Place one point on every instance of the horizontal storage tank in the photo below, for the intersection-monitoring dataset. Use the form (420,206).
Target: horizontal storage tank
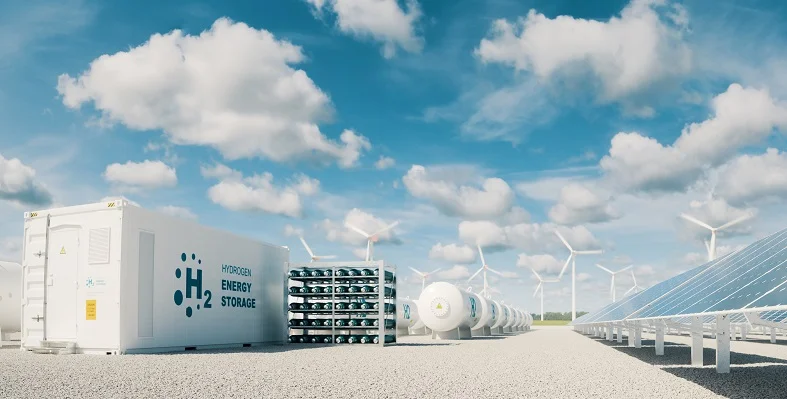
(501,315)
(487,311)
(10,298)
(148,282)
(511,316)
(407,313)
(518,319)
(446,307)
(419,324)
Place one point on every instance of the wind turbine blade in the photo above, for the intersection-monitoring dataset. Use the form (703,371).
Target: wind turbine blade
(476,273)
(560,236)
(624,269)
(359,231)
(566,265)
(537,287)
(435,270)
(612,285)
(707,247)
(736,221)
(554,280)
(390,226)
(695,221)
(309,250)
(537,275)
(593,252)
(630,289)
(326,257)
(633,277)
(604,269)
(480,252)
(495,271)
(417,272)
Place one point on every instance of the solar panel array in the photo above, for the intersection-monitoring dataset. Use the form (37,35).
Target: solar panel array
(754,278)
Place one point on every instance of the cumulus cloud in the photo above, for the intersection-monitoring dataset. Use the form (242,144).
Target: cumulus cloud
(458,272)
(700,258)
(625,54)
(543,264)
(337,232)
(529,237)
(384,162)
(751,178)
(716,212)
(383,21)
(742,117)
(258,193)
(232,88)
(141,175)
(18,184)
(177,211)
(290,230)
(452,253)
(579,204)
(493,199)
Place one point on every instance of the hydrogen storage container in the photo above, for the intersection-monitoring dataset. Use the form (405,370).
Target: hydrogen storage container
(10,299)
(114,278)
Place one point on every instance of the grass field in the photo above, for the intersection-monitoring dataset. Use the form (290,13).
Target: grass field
(551,322)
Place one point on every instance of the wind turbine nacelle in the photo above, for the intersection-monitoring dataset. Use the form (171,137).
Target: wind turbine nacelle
(511,317)
(445,307)
(407,314)
(501,316)
(489,314)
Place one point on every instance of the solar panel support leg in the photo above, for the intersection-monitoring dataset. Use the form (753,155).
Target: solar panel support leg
(722,344)
(773,335)
(637,334)
(630,337)
(620,334)
(696,341)
(744,332)
(659,339)
(609,332)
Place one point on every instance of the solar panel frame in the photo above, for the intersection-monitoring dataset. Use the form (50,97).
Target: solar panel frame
(729,273)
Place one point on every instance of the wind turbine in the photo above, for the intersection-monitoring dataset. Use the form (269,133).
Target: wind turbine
(636,287)
(370,238)
(424,276)
(573,259)
(612,285)
(315,257)
(541,286)
(484,268)
(711,247)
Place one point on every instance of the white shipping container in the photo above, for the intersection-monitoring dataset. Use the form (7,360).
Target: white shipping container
(115,278)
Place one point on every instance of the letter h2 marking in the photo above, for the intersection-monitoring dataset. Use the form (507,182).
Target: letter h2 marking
(193,283)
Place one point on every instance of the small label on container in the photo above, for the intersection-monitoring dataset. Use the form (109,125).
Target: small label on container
(90,309)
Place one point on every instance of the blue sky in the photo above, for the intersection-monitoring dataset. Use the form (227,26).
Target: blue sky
(472,123)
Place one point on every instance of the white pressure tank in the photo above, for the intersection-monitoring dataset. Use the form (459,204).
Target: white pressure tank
(487,312)
(419,324)
(501,316)
(446,307)
(406,313)
(511,318)
(518,319)
(10,297)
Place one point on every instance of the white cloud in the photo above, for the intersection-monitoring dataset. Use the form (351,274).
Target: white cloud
(529,237)
(220,171)
(290,230)
(384,162)
(178,212)
(337,232)
(258,193)
(452,253)
(383,21)
(231,88)
(699,258)
(626,54)
(359,253)
(751,178)
(544,265)
(579,204)
(493,199)
(742,117)
(141,175)
(18,184)
(457,272)
(716,212)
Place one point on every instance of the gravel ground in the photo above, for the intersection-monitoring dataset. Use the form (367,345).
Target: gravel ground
(548,362)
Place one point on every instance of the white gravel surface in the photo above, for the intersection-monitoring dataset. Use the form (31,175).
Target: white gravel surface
(548,362)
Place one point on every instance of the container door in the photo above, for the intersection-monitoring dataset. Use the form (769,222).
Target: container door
(62,284)
(33,261)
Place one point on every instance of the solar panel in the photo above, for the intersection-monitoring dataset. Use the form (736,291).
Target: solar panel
(618,311)
(751,276)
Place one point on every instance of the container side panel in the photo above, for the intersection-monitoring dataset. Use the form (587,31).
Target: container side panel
(62,283)
(209,287)
(145,287)
(33,282)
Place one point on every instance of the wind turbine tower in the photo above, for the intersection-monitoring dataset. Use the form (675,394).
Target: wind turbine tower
(370,238)
(541,286)
(612,285)
(573,259)
(711,247)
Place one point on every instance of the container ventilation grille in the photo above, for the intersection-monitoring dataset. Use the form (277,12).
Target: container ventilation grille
(99,246)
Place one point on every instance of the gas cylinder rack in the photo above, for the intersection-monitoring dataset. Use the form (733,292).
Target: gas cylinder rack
(342,302)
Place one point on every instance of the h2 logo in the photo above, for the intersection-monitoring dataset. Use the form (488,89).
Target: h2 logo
(472,307)
(193,284)
(406,309)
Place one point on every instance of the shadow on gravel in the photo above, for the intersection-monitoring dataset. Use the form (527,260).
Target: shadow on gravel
(751,376)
